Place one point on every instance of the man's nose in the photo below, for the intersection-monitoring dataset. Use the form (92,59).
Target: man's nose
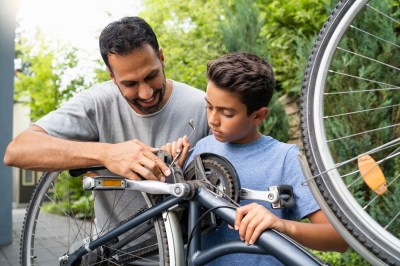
(145,91)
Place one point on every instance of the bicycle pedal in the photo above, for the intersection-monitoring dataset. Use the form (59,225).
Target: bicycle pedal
(103,183)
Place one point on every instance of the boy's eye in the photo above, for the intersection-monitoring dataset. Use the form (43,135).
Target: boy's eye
(226,114)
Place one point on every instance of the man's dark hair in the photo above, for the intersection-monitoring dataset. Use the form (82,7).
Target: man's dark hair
(125,35)
(245,74)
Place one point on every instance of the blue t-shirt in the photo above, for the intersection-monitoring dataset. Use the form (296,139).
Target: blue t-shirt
(260,164)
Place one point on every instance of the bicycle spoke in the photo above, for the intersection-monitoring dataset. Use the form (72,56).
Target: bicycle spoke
(368,58)
(362,79)
(361,111)
(374,36)
(363,132)
(383,14)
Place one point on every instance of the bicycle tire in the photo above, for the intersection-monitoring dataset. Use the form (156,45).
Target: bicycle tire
(334,175)
(45,239)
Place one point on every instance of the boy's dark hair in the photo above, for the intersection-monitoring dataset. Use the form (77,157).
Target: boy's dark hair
(125,35)
(245,74)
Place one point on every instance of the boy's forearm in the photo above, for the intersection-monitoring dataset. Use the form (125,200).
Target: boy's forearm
(322,237)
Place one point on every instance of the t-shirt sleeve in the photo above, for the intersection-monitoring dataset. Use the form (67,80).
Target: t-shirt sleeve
(293,175)
(74,120)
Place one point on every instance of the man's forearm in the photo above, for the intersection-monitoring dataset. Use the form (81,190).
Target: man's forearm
(34,149)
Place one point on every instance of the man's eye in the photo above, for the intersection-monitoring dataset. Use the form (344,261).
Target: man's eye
(151,77)
(129,85)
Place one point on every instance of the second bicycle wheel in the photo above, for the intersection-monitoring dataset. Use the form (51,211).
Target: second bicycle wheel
(61,218)
(350,107)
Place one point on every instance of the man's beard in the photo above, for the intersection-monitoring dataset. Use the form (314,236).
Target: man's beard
(152,109)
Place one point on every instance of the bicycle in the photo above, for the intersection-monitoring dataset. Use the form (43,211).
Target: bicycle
(350,109)
(153,236)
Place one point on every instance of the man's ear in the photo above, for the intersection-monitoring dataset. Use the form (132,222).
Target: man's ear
(260,115)
(111,74)
(161,56)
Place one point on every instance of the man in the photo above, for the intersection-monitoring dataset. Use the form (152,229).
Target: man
(116,123)
(120,123)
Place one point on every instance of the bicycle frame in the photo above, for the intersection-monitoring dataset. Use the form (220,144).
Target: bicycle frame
(270,242)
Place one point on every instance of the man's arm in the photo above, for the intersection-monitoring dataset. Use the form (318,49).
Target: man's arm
(36,150)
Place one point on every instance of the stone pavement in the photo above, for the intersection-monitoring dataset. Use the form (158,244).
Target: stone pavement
(9,254)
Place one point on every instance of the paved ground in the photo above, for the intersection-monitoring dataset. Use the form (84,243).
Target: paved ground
(9,254)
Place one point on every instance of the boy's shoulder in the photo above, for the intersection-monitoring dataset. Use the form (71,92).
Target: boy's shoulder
(268,140)
(207,140)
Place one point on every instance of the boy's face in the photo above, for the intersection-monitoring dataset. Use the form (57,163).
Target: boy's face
(227,117)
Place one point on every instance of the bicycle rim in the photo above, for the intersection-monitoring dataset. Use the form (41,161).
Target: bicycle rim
(60,217)
(350,107)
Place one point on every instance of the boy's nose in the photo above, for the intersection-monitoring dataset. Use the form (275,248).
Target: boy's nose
(213,118)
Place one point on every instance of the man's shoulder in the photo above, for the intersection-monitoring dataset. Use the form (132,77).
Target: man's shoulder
(107,87)
(185,88)
(101,92)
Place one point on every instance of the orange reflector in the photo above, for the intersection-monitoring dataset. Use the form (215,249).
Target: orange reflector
(111,183)
(372,174)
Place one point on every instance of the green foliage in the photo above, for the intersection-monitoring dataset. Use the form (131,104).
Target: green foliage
(188,35)
(41,82)
(289,32)
(350,257)
(241,26)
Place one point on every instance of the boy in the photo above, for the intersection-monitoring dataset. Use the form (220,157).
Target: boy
(239,88)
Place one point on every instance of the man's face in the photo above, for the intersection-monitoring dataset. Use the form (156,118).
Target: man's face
(140,78)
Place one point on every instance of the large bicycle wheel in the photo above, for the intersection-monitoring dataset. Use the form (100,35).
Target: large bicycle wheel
(61,217)
(349,108)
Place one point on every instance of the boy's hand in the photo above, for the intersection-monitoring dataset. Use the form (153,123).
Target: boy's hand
(181,147)
(252,219)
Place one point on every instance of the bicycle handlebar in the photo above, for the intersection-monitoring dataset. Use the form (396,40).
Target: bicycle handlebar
(274,243)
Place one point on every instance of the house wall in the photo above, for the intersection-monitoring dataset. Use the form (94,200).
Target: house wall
(21,190)
(7,54)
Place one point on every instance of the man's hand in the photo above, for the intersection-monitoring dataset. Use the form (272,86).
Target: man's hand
(180,146)
(133,159)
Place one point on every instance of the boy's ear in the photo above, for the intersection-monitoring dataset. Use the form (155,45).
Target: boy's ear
(260,115)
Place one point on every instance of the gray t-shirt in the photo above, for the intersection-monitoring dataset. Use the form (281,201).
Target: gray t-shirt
(102,114)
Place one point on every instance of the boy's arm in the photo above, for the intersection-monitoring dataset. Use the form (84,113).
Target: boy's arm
(253,219)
